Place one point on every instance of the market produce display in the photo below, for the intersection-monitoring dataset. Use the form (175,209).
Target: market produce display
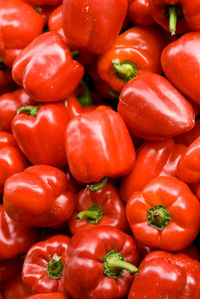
(99,149)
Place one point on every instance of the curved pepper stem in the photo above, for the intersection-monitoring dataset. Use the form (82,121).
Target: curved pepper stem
(172,20)
(55,267)
(98,186)
(33,110)
(114,265)
(85,99)
(158,217)
(93,214)
(124,70)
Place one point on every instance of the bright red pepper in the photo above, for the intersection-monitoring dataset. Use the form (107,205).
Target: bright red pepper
(49,296)
(15,288)
(164,215)
(153,109)
(84,23)
(100,262)
(140,13)
(39,196)
(40,133)
(153,158)
(134,52)
(46,69)
(165,275)
(95,145)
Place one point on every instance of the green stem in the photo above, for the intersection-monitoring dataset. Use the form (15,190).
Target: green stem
(172,20)
(75,53)
(98,186)
(33,110)
(55,267)
(93,214)
(124,70)
(158,217)
(38,9)
(85,99)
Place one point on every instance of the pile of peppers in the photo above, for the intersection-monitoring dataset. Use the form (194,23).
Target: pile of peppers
(99,149)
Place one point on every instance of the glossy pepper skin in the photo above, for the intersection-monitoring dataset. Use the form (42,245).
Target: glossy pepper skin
(84,20)
(39,196)
(19,25)
(153,158)
(49,296)
(174,276)
(140,13)
(153,109)
(44,265)
(104,207)
(46,69)
(11,158)
(85,273)
(95,145)
(15,288)
(134,52)
(180,63)
(164,215)
(40,133)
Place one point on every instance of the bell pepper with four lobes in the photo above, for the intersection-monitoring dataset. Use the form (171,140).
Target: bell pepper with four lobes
(19,25)
(164,215)
(100,264)
(44,265)
(166,275)
(98,144)
(48,296)
(181,64)
(140,13)
(39,196)
(46,69)
(104,207)
(93,25)
(40,133)
(11,158)
(153,158)
(133,53)
(153,109)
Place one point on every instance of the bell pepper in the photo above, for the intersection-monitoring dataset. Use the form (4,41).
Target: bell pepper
(15,288)
(164,215)
(49,296)
(157,158)
(140,13)
(19,25)
(95,145)
(39,196)
(103,207)
(11,158)
(166,275)
(46,69)
(84,23)
(9,104)
(134,52)
(100,263)
(188,137)
(181,65)
(44,265)
(40,133)
(146,104)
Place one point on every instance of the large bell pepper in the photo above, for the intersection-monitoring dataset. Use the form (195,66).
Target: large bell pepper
(164,215)
(39,196)
(46,69)
(153,109)
(100,264)
(140,13)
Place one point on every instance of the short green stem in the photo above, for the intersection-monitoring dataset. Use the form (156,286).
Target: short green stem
(38,9)
(158,217)
(93,214)
(98,186)
(32,110)
(85,99)
(55,267)
(172,20)
(124,70)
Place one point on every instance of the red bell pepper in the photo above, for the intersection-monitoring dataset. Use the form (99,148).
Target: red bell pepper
(84,23)
(164,215)
(188,137)
(49,296)
(19,25)
(181,65)
(95,145)
(153,109)
(15,288)
(46,69)
(44,265)
(39,196)
(134,52)
(100,264)
(153,158)
(140,13)
(40,133)
(165,275)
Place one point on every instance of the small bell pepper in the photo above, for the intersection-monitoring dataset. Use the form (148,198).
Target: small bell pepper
(157,158)
(134,52)
(140,13)
(15,288)
(100,264)
(49,296)
(146,104)
(39,196)
(164,215)
(95,145)
(44,265)
(84,23)
(46,69)
(40,133)
(104,207)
